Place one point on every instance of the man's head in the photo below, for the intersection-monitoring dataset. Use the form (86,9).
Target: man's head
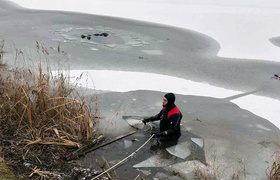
(168,100)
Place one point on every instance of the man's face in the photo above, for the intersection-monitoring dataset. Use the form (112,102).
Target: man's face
(164,101)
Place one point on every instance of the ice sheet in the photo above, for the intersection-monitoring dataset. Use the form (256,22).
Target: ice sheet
(154,161)
(181,150)
(198,141)
(135,123)
(222,20)
(127,143)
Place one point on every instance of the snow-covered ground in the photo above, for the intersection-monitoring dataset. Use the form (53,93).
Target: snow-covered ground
(243,29)
(123,81)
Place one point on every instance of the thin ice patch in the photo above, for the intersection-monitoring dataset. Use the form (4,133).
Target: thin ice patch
(82,28)
(145,43)
(88,42)
(110,45)
(181,150)
(198,141)
(145,172)
(134,43)
(65,30)
(154,161)
(127,144)
(67,37)
(94,49)
(135,123)
(153,52)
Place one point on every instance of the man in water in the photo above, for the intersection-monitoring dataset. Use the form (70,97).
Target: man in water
(170,119)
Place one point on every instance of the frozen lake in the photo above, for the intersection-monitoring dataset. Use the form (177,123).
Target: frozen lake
(243,29)
(138,62)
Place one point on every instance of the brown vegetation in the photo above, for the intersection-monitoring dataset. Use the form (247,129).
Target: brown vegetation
(274,173)
(41,120)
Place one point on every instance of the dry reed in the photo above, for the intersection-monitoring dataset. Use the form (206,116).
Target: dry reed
(274,173)
(40,115)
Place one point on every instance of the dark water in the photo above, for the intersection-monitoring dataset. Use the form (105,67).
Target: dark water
(116,151)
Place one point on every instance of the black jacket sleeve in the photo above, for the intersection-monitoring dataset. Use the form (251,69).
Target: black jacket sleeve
(154,118)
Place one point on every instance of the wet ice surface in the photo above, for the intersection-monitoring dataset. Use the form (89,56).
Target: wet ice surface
(127,144)
(193,146)
(72,36)
(151,159)
(136,122)
(201,115)
(155,161)
(205,18)
(198,141)
(117,38)
(181,150)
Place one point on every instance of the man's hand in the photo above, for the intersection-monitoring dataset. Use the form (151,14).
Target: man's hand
(161,134)
(158,134)
(155,131)
(145,121)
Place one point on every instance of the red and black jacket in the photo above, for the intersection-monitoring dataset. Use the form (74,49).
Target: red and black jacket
(170,119)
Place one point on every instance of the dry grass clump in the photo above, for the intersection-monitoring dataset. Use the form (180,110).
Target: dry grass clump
(199,174)
(41,119)
(5,172)
(44,111)
(274,173)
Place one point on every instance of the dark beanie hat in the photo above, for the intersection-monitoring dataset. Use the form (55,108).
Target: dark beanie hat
(171,98)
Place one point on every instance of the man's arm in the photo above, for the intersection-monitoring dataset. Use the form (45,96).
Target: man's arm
(152,118)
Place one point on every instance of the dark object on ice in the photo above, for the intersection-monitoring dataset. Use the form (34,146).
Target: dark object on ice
(101,34)
(105,34)
(134,139)
(276,76)
(89,37)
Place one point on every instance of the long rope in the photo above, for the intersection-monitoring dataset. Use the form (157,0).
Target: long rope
(132,154)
